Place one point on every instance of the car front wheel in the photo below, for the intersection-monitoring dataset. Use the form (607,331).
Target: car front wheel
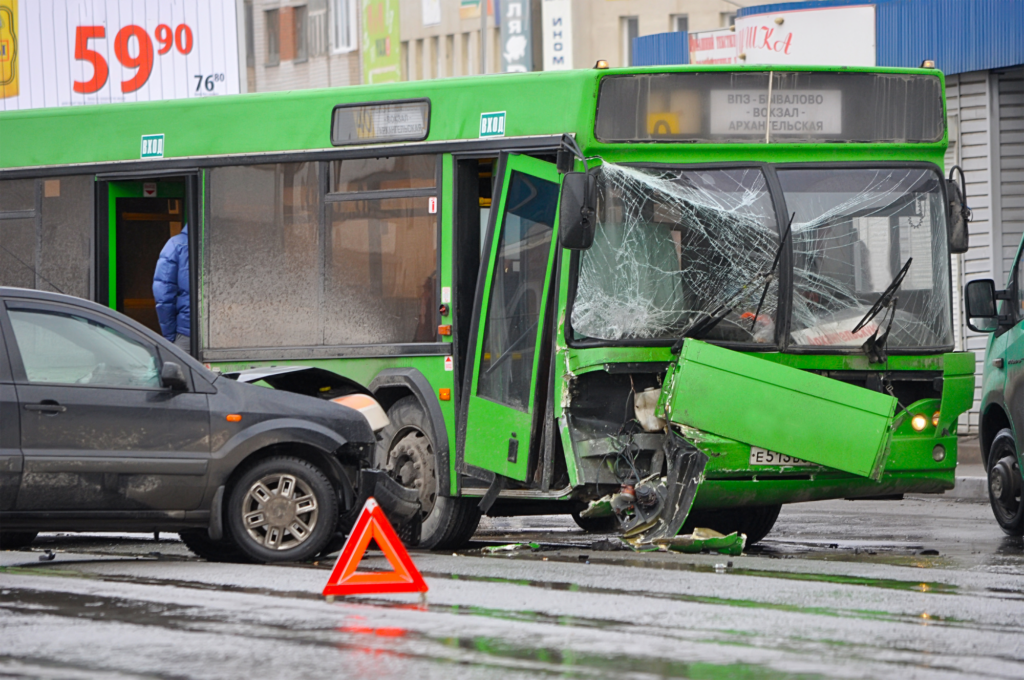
(1004,483)
(282,509)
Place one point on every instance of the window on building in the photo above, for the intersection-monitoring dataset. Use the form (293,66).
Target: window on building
(435,57)
(449,55)
(404,60)
(250,39)
(300,27)
(630,27)
(464,56)
(419,59)
(273,24)
(727,19)
(343,23)
(680,23)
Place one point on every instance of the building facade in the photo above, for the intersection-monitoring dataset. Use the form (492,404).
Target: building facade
(294,44)
(297,44)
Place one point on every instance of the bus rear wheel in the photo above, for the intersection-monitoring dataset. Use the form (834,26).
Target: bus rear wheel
(405,451)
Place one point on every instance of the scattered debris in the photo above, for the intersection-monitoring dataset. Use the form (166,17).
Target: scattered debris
(48,557)
(510,547)
(699,541)
(609,545)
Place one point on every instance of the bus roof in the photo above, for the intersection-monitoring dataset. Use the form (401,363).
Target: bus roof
(534,104)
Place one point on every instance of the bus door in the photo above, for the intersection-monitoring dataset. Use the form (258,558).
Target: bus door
(142,216)
(506,354)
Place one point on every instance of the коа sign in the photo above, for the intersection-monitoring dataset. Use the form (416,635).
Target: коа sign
(835,36)
(67,52)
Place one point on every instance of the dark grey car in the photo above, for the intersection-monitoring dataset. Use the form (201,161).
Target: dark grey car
(106,426)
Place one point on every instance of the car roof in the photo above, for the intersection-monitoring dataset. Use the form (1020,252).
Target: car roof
(32,294)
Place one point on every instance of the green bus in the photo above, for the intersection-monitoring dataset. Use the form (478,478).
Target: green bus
(720,286)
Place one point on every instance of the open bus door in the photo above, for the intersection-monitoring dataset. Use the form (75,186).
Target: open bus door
(510,316)
(141,215)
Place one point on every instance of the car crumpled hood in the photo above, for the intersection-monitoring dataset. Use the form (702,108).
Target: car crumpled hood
(258,404)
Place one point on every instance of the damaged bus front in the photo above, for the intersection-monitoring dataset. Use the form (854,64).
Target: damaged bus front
(772,326)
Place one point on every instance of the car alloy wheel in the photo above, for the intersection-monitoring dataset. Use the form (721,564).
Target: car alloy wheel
(280,511)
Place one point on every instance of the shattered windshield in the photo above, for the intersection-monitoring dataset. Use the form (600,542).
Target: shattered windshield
(671,246)
(854,230)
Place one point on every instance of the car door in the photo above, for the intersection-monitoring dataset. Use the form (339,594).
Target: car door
(10,438)
(511,318)
(1013,392)
(98,431)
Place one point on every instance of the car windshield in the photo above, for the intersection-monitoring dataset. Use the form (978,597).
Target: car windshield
(854,230)
(670,247)
(673,246)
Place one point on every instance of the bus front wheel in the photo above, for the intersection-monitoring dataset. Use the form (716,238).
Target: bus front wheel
(405,451)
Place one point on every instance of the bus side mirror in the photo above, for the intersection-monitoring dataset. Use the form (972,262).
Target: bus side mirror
(957,213)
(577,214)
(980,306)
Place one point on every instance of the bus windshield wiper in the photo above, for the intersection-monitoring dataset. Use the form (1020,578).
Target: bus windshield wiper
(705,323)
(874,346)
(771,272)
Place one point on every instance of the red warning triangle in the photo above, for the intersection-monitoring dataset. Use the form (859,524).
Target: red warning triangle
(345,580)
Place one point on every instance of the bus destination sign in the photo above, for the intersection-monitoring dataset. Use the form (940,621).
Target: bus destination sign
(795,112)
(405,121)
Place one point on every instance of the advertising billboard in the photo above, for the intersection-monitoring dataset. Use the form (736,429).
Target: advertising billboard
(381,42)
(516,32)
(72,52)
(713,47)
(826,36)
(556,19)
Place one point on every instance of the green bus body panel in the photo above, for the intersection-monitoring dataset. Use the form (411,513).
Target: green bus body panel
(540,103)
(489,424)
(734,395)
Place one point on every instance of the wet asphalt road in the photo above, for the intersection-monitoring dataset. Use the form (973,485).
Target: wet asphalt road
(921,588)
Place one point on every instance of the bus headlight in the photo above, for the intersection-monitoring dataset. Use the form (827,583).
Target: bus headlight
(919,422)
(935,419)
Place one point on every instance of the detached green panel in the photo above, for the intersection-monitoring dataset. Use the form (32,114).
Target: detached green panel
(781,409)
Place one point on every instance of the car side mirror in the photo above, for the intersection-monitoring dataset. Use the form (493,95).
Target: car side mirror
(173,376)
(576,213)
(980,306)
(958,215)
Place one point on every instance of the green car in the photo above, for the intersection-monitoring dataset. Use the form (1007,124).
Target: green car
(1001,313)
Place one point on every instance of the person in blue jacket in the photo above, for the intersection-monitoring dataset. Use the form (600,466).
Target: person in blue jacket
(171,290)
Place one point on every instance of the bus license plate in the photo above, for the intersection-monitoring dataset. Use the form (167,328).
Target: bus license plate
(765,457)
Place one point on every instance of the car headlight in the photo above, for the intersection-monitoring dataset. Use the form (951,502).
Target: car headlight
(368,406)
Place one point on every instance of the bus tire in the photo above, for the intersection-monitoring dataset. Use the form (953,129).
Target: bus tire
(756,523)
(405,450)
(1005,484)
